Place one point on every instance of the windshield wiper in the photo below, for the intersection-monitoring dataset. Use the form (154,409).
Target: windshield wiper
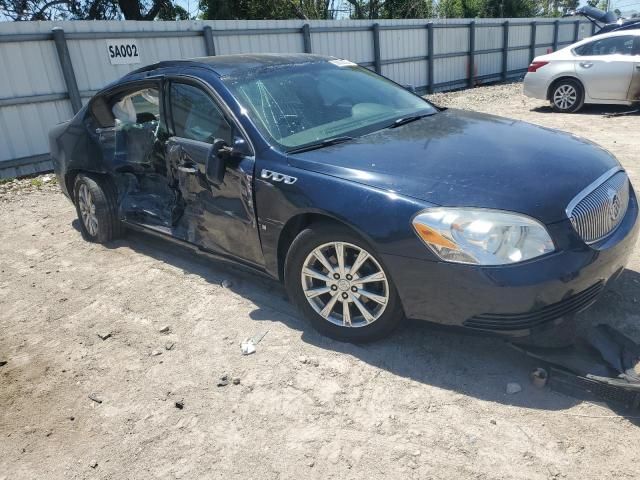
(409,119)
(322,144)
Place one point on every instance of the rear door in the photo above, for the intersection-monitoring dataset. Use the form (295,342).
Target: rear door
(128,127)
(605,66)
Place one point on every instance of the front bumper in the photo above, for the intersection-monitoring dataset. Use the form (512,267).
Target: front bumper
(516,299)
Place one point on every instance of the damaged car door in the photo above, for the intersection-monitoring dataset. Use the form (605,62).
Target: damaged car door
(131,133)
(211,165)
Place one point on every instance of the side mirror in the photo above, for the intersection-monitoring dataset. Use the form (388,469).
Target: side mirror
(411,88)
(240,147)
(216,161)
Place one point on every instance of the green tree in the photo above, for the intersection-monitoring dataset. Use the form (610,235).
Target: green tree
(267,9)
(407,9)
(19,10)
(488,8)
(373,9)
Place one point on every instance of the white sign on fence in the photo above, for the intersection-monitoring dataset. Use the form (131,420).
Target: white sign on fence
(123,51)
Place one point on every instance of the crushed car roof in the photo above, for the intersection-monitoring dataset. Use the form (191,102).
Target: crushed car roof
(231,65)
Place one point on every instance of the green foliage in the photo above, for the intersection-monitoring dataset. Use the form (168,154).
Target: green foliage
(601,4)
(283,9)
(267,9)
(20,10)
(489,8)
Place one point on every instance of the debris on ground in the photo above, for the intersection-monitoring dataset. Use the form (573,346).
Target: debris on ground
(19,186)
(620,114)
(95,397)
(165,329)
(3,363)
(235,380)
(104,335)
(93,464)
(248,345)
(179,404)
(539,377)
(604,364)
(513,388)
(223,381)
(169,345)
(309,361)
(155,353)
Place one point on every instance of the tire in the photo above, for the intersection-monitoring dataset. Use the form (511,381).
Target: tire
(344,323)
(567,96)
(96,205)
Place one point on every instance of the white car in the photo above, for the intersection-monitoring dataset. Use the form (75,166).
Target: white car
(601,69)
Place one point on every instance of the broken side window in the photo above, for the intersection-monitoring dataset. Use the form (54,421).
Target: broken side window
(195,115)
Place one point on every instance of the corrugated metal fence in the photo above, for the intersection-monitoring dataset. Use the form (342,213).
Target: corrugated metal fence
(48,69)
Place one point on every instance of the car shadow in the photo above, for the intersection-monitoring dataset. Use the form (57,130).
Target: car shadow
(469,364)
(600,110)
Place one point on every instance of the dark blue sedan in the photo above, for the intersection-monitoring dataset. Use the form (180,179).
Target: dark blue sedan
(367,201)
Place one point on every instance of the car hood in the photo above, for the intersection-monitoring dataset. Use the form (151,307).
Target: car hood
(461,158)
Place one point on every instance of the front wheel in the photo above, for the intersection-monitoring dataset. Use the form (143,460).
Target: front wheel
(567,96)
(340,285)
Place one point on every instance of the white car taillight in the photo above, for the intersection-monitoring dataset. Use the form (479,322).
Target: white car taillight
(535,66)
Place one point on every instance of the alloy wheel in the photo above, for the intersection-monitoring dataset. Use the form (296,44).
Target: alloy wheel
(87,210)
(345,284)
(565,97)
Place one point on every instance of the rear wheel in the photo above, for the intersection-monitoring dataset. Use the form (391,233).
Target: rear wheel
(96,206)
(337,281)
(567,96)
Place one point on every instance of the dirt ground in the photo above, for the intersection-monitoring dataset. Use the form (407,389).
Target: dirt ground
(423,404)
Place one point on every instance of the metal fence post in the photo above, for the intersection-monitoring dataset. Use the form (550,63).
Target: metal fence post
(430,57)
(532,48)
(505,49)
(306,38)
(209,46)
(472,53)
(576,31)
(67,68)
(556,31)
(376,48)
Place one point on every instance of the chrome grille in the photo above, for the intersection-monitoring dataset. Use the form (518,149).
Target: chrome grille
(598,210)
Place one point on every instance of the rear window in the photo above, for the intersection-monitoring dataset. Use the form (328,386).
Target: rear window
(621,45)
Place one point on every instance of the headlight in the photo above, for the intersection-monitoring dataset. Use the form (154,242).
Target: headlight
(480,236)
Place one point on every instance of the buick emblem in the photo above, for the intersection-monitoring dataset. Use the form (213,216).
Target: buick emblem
(614,207)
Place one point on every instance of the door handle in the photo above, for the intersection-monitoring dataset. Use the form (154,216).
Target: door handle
(586,64)
(637,67)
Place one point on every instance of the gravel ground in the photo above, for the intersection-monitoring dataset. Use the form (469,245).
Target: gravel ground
(114,357)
